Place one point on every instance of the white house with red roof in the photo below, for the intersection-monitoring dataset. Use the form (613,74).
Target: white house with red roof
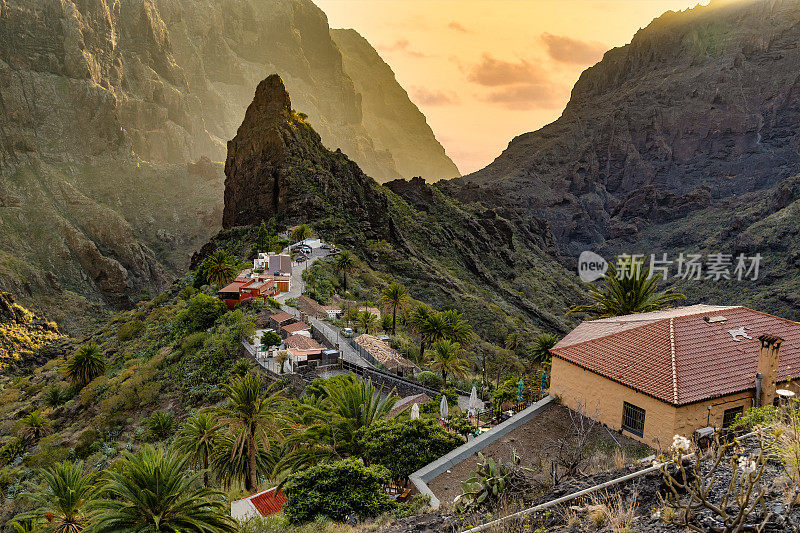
(658,374)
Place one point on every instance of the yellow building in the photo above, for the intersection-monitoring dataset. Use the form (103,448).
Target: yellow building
(655,375)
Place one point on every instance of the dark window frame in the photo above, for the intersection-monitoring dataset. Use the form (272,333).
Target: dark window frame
(729,415)
(633,414)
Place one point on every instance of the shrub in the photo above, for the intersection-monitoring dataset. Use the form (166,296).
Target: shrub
(429,379)
(202,312)
(130,330)
(756,416)
(55,396)
(194,342)
(86,443)
(186,292)
(337,490)
(270,338)
(405,446)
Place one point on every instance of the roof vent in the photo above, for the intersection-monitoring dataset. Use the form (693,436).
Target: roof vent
(714,319)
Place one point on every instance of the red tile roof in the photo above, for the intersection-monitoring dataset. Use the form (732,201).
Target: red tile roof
(269,502)
(678,357)
(280,317)
(295,327)
(302,342)
(233,287)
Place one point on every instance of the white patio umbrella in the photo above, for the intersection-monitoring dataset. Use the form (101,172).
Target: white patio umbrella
(414,411)
(474,403)
(444,410)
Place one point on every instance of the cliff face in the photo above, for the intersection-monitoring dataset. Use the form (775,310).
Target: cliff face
(701,106)
(389,115)
(277,166)
(499,272)
(105,107)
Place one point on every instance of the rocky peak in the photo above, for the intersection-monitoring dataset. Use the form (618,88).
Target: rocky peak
(277,166)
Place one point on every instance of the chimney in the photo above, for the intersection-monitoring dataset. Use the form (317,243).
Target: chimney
(768,368)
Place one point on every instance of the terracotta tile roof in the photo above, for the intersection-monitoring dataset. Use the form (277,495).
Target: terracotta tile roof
(678,357)
(268,502)
(302,342)
(294,327)
(233,287)
(281,317)
(383,353)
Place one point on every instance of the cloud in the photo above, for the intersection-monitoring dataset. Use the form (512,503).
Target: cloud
(492,72)
(434,98)
(455,26)
(402,45)
(568,50)
(528,96)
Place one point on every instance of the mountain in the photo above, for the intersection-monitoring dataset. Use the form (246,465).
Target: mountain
(114,119)
(683,140)
(389,115)
(499,273)
(21,331)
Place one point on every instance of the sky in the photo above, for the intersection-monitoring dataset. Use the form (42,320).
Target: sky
(484,71)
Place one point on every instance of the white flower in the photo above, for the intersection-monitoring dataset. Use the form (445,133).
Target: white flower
(681,444)
(746,465)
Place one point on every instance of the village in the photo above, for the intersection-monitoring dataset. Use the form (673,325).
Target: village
(640,379)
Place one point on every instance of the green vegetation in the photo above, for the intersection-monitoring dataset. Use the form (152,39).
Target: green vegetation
(405,446)
(150,491)
(628,288)
(337,490)
(446,358)
(395,299)
(85,364)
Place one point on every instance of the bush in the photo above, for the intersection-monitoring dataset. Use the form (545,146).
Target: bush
(130,330)
(337,490)
(270,338)
(86,443)
(202,312)
(429,379)
(756,416)
(405,446)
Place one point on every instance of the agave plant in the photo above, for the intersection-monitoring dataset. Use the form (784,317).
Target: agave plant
(490,482)
(63,502)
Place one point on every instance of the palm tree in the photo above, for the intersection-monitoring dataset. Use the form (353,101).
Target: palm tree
(446,358)
(637,293)
(221,267)
(394,298)
(282,357)
(85,364)
(35,425)
(356,405)
(251,418)
(301,233)
(456,328)
(229,466)
(541,346)
(196,439)
(418,320)
(150,491)
(345,263)
(367,320)
(63,501)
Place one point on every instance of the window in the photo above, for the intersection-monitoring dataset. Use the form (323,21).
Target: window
(730,415)
(633,419)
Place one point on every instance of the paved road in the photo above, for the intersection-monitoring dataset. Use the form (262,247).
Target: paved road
(297,273)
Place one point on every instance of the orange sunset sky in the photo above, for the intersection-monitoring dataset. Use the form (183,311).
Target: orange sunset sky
(485,71)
